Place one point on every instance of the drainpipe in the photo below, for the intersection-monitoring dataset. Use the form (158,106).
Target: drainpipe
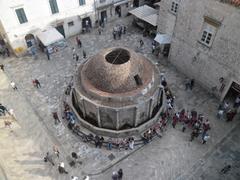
(95,10)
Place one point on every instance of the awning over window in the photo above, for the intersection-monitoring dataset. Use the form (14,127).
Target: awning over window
(163,38)
(121,2)
(146,13)
(49,36)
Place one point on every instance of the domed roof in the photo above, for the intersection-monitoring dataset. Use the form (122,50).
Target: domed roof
(117,70)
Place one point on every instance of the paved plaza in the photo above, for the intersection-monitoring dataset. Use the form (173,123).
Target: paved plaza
(23,147)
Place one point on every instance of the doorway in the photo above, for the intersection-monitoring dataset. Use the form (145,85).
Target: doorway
(166,49)
(60,29)
(86,22)
(233,93)
(103,16)
(118,11)
(30,40)
(136,3)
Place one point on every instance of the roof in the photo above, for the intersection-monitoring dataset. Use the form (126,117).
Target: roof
(146,13)
(151,19)
(49,36)
(114,70)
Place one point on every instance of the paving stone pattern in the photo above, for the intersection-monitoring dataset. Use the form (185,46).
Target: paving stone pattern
(170,157)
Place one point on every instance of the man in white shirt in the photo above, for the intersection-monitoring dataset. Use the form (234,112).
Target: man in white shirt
(13,85)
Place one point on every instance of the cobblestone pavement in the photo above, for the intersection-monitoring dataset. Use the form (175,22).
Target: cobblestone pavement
(227,153)
(171,157)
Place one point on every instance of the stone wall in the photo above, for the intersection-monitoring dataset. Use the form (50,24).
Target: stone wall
(207,64)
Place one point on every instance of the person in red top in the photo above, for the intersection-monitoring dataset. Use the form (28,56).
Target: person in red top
(174,121)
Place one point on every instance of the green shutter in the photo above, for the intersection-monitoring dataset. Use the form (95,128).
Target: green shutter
(21,15)
(54,6)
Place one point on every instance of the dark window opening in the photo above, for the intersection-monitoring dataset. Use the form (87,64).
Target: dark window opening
(71,23)
(118,56)
(138,80)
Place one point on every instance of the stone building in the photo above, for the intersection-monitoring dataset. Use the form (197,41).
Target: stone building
(205,42)
(21,19)
(117,93)
(108,10)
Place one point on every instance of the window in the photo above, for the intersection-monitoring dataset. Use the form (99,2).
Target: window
(206,37)
(82,2)
(209,30)
(174,7)
(71,23)
(21,15)
(54,6)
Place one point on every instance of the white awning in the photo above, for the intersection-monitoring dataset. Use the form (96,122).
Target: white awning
(146,13)
(121,2)
(49,36)
(151,19)
(163,38)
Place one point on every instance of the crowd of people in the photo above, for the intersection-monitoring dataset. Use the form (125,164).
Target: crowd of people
(54,156)
(117,175)
(196,122)
(118,31)
(225,111)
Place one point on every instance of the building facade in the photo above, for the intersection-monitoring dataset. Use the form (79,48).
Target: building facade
(21,19)
(108,10)
(205,43)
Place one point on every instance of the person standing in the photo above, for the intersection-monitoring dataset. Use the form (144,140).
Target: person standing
(86,178)
(220,114)
(174,121)
(74,178)
(84,54)
(124,29)
(120,174)
(13,85)
(114,175)
(231,114)
(79,43)
(114,34)
(153,48)
(237,102)
(56,150)
(7,51)
(141,43)
(61,168)
(187,84)
(38,85)
(205,137)
(192,82)
(2,67)
(100,30)
(73,53)
(77,57)
(48,158)
(225,106)
(48,54)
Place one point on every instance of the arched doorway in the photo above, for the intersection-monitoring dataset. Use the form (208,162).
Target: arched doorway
(30,40)
(118,11)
